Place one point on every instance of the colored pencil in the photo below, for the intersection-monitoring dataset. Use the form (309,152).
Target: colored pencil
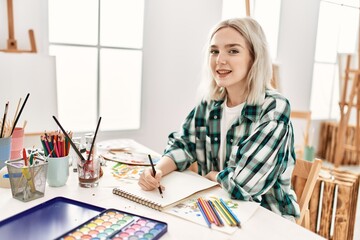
(222,213)
(71,142)
(203,214)
(57,154)
(212,213)
(44,146)
(154,173)
(93,142)
(18,116)
(218,218)
(238,223)
(25,157)
(31,158)
(206,209)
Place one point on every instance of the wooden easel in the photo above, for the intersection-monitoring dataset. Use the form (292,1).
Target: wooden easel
(247,4)
(346,106)
(11,42)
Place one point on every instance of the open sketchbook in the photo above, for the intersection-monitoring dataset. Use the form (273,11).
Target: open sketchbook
(178,186)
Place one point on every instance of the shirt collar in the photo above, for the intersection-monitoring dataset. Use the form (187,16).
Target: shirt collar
(251,112)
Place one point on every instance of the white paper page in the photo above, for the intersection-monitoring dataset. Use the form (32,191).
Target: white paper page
(178,185)
(188,210)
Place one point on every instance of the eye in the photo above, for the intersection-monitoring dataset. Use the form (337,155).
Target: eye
(233,51)
(214,51)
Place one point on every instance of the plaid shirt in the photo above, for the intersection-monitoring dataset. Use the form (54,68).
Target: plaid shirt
(260,154)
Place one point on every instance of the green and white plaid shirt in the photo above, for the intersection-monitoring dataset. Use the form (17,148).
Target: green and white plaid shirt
(260,154)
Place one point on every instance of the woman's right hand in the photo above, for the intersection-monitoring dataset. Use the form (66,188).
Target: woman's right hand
(148,182)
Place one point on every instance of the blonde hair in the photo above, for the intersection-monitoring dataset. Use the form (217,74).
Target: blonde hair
(260,73)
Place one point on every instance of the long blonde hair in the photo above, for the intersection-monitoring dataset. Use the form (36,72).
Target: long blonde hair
(260,73)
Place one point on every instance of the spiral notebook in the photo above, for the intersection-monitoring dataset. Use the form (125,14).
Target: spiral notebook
(178,186)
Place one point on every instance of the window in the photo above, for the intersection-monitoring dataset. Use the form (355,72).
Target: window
(259,10)
(98,49)
(337,33)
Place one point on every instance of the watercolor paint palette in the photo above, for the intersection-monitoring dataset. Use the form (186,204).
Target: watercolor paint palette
(117,225)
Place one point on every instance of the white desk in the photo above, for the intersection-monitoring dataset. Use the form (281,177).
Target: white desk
(263,224)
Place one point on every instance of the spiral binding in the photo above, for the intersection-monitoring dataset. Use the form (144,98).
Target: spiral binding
(137,199)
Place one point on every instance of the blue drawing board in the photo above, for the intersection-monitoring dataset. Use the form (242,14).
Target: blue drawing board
(47,220)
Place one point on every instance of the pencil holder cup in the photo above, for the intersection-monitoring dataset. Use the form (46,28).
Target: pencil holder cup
(27,182)
(58,171)
(17,142)
(5,147)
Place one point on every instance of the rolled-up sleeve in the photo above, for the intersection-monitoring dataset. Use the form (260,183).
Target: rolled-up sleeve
(181,145)
(257,162)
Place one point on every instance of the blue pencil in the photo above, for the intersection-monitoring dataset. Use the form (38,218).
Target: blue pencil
(203,214)
(216,213)
(238,223)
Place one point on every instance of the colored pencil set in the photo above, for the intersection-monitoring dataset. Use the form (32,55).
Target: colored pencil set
(68,138)
(215,211)
(55,144)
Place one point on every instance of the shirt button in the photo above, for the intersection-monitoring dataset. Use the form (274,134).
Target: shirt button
(231,140)
(215,117)
(216,139)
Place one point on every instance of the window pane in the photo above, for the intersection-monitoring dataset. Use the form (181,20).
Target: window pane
(269,21)
(234,8)
(76,73)
(349,20)
(120,90)
(322,102)
(73,21)
(122,23)
(337,31)
(327,33)
(259,9)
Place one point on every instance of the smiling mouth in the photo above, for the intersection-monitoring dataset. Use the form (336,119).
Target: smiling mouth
(223,73)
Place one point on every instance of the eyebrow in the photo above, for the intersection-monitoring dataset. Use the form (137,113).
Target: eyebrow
(229,45)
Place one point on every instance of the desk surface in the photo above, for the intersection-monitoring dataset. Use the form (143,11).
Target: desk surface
(263,224)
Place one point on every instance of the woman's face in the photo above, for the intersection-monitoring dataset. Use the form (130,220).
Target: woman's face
(230,59)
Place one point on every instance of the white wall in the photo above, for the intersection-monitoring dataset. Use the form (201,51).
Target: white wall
(175,32)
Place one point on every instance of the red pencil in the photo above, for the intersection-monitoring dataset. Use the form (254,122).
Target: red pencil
(206,210)
(56,149)
(25,157)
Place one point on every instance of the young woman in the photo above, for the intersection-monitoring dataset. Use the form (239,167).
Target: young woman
(240,134)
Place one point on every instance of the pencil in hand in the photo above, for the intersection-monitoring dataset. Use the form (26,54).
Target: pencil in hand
(154,173)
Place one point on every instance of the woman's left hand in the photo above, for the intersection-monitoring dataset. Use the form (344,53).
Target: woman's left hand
(212,175)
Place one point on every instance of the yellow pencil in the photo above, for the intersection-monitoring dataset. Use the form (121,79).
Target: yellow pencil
(29,179)
(222,213)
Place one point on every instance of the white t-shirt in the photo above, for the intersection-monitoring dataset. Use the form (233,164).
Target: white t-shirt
(229,115)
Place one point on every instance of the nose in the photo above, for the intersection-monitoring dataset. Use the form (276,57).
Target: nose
(220,59)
